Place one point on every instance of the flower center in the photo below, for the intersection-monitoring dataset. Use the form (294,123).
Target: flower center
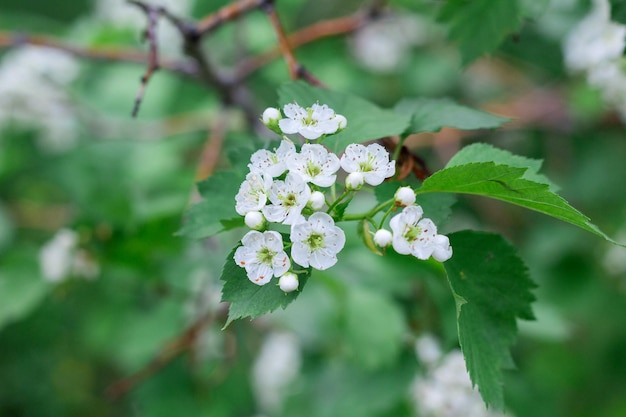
(313,170)
(367,166)
(315,241)
(289,200)
(265,256)
(309,120)
(412,232)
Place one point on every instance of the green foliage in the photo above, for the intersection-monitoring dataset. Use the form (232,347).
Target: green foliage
(618,11)
(506,183)
(375,328)
(430,115)
(251,300)
(491,286)
(216,212)
(366,121)
(479,26)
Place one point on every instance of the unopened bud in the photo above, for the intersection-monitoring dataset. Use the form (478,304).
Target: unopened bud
(270,118)
(405,196)
(354,181)
(254,220)
(288,282)
(383,238)
(317,200)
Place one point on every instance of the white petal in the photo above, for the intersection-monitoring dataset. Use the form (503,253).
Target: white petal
(253,240)
(300,253)
(289,126)
(273,241)
(281,263)
(322,259)
(261,274)
(244,257)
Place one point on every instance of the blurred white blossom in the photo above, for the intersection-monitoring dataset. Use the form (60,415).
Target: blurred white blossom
(445,390)
(33,94)
(595,47)
(274,370)
(60,257)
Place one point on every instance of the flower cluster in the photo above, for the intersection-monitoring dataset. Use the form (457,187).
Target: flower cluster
(286,186)
(595,46)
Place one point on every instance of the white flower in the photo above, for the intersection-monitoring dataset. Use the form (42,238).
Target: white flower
(595,40)
(252,194)
(383,238)
(288,282)
(372,161)
(56,257)
(427,349)
(271,115)
(317,200)
(254,220)
(418,237)
(315,165)
(287,199)
(311,122)
(273,164)
(317,241)
(263,256)
(354,181)
(405,196)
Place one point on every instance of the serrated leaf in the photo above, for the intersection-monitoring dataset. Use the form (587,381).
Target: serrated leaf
(375,328)
(491,285)
(366,121)
(430,115)
(479,26)
(251,300)
(215,213)
(506,183)
(482,152)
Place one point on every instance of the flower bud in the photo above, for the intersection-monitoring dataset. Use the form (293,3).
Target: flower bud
(405,196)
(354,181)
(342,121)
(383,238)
(254,220)
(288,282)
(270,118)
(317,200)
(443,250)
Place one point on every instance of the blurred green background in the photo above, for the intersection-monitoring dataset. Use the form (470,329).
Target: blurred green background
(113,332)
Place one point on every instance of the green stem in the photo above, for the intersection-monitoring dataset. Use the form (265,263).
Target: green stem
(337,201)
(369,214)
(389,210)
(396,152)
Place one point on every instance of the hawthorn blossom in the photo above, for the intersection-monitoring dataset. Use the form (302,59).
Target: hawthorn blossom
(415,236)
(272,163)
(372,161)
(316,241)
(252,194)
(287,199)
(263,256)
(311,122)
(315,165)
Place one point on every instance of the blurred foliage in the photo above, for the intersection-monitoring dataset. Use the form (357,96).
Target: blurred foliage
(124,185)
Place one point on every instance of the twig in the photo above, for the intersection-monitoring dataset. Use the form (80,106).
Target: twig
(166,355)
(212,148)
(153,14)
(226,14)
(407,162)
(296,70)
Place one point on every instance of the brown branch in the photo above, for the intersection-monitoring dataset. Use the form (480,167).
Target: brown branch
(12,40)
(165,356)
(226,14)
(296,70)
(320,30)
(153,14)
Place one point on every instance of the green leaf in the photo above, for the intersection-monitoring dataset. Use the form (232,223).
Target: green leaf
(375,328)
(216,212)
(366,121)
(491,285)
(482,152)
(506,183)
(251,300)
(430,115)
(618,11)
(479,26)
(21,287)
